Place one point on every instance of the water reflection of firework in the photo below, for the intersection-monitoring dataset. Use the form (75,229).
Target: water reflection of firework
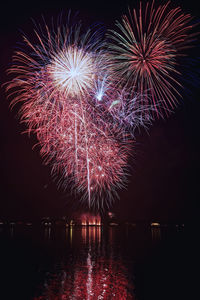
(90,277)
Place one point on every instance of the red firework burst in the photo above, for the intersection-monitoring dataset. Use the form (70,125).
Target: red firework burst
(55,86)
(145,49)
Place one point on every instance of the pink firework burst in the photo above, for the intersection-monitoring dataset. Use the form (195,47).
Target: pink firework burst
(55,85)
(144,50)
(86,153)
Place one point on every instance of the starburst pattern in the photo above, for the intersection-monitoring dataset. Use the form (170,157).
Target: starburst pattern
(145,48)
(85,99)
(57,87)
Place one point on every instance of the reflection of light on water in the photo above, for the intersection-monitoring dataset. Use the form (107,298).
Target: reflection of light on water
(91,234)
(84,234)
(12,229)
(155,233)
(47,233)
(98,231)
(71,234)
(66,233)
(111,235)
(94,278)
(95,274)
(89,278)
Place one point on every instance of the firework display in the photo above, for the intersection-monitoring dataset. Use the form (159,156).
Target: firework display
(145,49)
(84,98)
(60,104)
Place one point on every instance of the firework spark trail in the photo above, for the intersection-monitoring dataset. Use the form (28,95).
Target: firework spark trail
(144,50)
(55,87)
(84,103)
(118,107)
(103,160)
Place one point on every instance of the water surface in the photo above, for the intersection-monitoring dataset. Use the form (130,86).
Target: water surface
(92,263)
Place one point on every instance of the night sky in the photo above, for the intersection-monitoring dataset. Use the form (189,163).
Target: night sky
(163,184)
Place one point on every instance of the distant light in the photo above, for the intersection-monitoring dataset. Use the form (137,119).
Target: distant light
(155,224)
(113,224)
(111,214)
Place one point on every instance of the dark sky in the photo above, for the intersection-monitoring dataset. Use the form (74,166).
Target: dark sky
(164,178)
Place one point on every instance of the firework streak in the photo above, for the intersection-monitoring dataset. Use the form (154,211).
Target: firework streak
(59,87)
(146,47)
(84,103)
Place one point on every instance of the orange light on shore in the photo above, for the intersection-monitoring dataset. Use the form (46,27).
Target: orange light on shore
(88,219)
